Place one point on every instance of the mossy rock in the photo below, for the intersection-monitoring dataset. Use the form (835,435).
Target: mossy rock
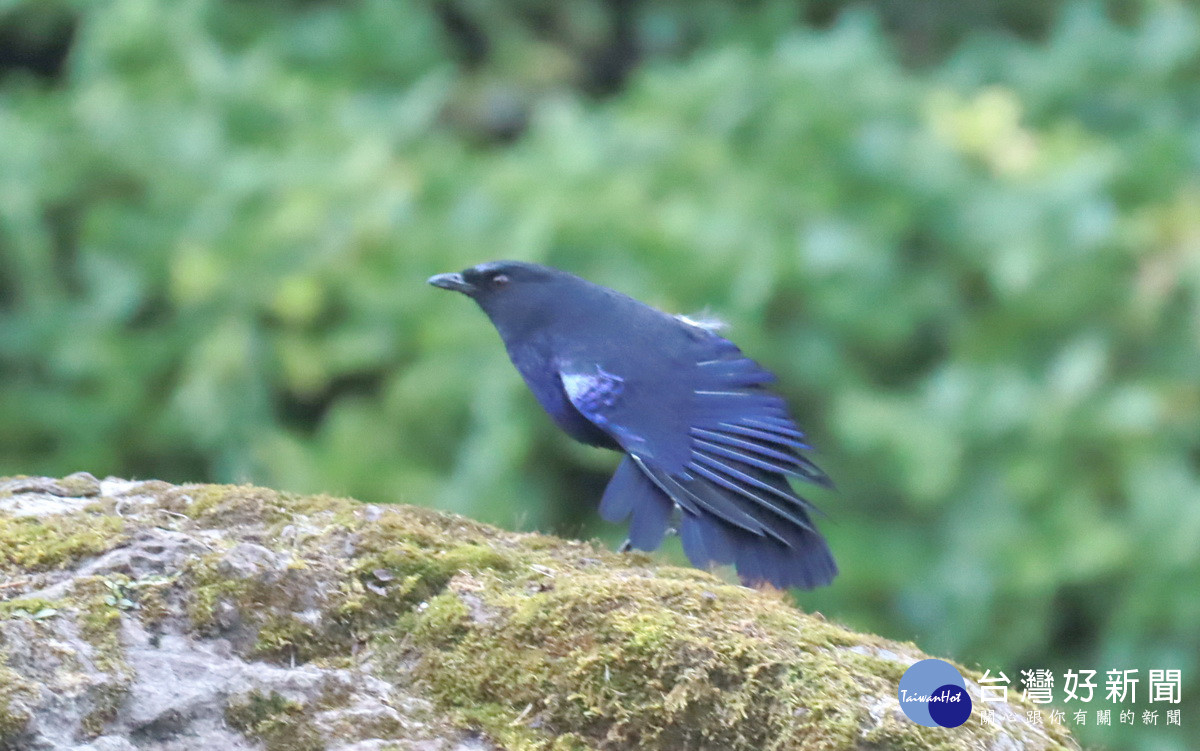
(247,618)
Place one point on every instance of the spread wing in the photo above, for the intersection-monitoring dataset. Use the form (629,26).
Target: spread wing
(714,442)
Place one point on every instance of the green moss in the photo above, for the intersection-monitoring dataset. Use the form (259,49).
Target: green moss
(32,608)
(269,604)
(79,485)
(207,589)
(527,639)
(537,643)
(497,721)
(16,694)
(226,505)
(401,560)
(32,544)
(280,723)
(152,606)
(412,573)
(284,636)
(360,726)
(100,622)
(105,702)
(601,657)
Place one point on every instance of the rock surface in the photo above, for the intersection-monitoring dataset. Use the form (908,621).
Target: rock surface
(142,616)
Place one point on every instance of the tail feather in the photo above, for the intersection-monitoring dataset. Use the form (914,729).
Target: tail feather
(766,543)
(630,493)
(805,563)
(705,541)
(627,488)
(649,523)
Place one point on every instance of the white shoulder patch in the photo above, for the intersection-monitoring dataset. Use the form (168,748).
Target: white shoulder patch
(703,320)
(592,392)
(577,384)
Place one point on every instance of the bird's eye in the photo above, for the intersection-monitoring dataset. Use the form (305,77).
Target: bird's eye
(500,280)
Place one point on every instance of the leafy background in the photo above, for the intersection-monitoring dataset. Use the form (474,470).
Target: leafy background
(967,235)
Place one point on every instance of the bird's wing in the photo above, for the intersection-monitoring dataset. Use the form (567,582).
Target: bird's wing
(713,441)
(736,418)
(595,394)
(743,447)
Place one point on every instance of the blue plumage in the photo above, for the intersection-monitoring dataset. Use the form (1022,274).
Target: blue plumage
(704,439)
(627,488)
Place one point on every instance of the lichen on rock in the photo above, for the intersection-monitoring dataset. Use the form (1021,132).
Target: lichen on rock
(148,616)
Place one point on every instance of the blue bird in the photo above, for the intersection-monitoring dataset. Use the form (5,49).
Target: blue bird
(703,437)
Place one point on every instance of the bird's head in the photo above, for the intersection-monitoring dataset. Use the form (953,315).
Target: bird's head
(514,294)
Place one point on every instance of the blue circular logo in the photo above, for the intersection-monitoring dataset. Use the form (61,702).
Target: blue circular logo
(934,694)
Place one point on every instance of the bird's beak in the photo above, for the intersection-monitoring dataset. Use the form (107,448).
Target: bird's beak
(454,281)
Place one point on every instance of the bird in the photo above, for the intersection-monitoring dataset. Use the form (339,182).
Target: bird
(707,446)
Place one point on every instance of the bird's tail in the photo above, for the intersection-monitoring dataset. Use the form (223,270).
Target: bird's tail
(767,544)
(803,561)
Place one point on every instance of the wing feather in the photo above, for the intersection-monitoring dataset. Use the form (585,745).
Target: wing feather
(762,435)
(717,445)
(734,479)
(696,499)
(741,443)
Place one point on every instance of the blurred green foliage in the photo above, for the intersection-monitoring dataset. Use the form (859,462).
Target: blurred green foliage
(969,242)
